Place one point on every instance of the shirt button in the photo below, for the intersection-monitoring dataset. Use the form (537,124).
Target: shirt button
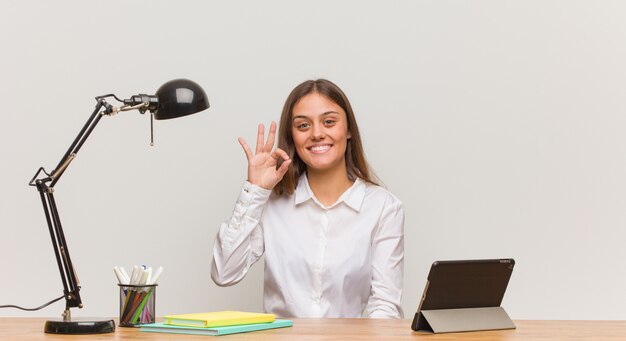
(325,220)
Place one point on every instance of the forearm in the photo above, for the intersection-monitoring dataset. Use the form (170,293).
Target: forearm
(239,241)
(386,293)
(388,265)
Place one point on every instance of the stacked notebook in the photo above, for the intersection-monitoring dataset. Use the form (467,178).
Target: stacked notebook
(216,323)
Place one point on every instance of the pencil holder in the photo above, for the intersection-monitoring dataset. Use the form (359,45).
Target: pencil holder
(137,304)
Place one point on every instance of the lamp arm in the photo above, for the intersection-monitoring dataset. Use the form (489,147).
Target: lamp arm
(69,279)
(71,284)
(80,139)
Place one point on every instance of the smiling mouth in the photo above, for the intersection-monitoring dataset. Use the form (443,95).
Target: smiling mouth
(320,149)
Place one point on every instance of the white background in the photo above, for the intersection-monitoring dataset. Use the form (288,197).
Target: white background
(499,124)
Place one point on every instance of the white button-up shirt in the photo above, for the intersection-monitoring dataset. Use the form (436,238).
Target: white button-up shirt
(345,260)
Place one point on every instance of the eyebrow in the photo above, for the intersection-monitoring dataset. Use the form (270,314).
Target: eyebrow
(323,114)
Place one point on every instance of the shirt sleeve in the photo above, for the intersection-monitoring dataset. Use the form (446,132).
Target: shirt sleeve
(239,241)
(388,263)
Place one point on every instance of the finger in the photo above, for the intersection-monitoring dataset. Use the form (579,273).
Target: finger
(270,138)
(282,154)
(278,154)
(260,137)
(273,159)
(286,161)
(283,168)
(246,148)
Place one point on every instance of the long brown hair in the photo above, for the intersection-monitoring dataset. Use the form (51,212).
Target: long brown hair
(356,164)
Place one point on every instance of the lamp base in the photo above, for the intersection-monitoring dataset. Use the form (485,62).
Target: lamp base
(79,327)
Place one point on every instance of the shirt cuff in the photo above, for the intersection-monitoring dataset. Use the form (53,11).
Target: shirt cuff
(252,199)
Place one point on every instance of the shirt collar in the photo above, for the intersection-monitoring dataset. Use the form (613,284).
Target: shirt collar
(353,196)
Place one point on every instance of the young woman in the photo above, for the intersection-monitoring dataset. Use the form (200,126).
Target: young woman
(333,239)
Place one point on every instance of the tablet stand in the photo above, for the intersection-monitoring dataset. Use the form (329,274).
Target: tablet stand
(463,320)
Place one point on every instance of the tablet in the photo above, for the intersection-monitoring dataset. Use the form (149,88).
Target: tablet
(462,284)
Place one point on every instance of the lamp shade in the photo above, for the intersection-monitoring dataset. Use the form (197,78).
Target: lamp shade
(180,97)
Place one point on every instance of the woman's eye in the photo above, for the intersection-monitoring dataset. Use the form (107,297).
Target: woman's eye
(302,125)
(329,122)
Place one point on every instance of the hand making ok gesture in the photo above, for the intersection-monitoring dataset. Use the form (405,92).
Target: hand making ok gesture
(262,169)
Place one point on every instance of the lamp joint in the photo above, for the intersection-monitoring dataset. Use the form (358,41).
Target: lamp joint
(67,315)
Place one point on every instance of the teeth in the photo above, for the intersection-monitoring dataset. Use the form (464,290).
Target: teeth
(320,148)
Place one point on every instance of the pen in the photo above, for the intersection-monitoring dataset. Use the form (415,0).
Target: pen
(125,274)
(143,278)
(134,276)
(118,274)
(149,277)
(156,276)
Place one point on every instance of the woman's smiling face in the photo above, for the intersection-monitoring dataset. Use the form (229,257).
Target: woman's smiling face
(320,132)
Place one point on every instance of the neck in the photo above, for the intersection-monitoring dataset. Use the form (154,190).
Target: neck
(328,185)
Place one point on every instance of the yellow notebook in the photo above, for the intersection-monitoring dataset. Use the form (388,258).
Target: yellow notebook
(218,319)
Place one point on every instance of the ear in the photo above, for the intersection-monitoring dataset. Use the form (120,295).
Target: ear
(349,135)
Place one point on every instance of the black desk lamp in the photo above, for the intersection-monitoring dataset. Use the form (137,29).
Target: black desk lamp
(175,98)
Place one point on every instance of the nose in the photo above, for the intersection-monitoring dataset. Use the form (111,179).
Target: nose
(317,133)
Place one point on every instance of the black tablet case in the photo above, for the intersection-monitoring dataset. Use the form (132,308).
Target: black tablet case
(465,295)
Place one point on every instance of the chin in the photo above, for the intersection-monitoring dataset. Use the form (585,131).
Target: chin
(322,166)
